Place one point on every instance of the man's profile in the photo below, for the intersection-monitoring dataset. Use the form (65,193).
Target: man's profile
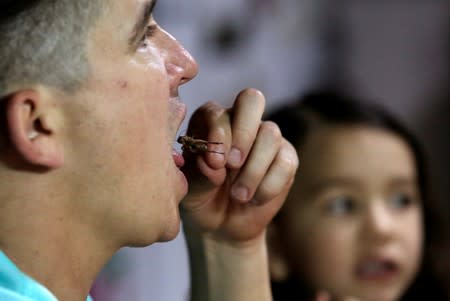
(89,113)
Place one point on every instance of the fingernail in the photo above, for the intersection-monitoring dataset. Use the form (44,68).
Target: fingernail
(240,192)
(235,156)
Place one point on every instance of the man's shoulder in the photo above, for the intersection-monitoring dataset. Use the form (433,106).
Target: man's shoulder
(8,295)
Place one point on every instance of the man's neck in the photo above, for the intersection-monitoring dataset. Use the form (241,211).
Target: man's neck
(63,256)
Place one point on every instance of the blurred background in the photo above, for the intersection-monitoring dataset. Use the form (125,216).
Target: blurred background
(394,52)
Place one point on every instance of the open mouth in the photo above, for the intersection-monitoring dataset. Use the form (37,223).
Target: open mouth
(377,269)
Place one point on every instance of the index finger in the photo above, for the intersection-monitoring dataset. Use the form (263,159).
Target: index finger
(246,113)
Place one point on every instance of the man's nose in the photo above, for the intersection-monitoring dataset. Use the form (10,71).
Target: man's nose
(180,65)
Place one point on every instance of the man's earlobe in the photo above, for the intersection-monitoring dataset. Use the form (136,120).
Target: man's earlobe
(31,130)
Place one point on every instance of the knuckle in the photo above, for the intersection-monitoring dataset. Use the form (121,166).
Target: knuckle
(272,129)
(288,159)
(205,111)
(286,164)
(213,110)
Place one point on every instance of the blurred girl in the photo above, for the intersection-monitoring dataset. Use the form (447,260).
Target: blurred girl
(358,221)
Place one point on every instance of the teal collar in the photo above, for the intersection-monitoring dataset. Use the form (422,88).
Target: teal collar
(14,281)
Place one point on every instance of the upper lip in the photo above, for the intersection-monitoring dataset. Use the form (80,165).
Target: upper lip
(179,110)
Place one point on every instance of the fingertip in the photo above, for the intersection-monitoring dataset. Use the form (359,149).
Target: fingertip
(250,91)
(251,94)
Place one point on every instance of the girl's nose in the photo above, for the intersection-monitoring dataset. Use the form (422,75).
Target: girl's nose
(379,223)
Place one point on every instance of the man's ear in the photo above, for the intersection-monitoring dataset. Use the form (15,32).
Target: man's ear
(31,125)
(278,264)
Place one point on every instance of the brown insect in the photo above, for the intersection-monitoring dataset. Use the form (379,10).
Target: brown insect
(196,146)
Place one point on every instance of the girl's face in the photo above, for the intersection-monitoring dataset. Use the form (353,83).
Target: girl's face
(353,222)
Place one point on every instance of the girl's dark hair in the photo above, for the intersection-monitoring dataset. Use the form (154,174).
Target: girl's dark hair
(331,108)
(11,8)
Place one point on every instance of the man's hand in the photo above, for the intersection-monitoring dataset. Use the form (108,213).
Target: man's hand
(235,189)
(233,196)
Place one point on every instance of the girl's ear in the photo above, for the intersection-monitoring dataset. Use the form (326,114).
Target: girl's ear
(32,126)
(278,265)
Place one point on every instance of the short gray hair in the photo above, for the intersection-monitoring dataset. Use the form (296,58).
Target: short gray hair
(44,42)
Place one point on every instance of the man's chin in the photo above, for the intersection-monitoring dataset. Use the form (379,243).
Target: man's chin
(145,239)
(171,232)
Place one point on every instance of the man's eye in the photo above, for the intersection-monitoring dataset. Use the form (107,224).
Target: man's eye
(400,200)
(149,31)
(341,205)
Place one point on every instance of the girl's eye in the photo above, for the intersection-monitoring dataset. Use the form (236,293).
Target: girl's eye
(400,200)
(341,206)
(149,31)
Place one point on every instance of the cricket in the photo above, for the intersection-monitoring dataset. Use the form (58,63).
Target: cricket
(196,146)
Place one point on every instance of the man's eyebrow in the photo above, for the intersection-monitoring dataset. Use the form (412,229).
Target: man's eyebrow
(141,23)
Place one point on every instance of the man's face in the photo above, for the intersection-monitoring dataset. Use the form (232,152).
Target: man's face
(123,123)
(353,222)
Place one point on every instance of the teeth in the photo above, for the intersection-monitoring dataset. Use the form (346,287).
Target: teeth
(373,267)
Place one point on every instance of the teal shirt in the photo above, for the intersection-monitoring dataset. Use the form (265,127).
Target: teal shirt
(16,286)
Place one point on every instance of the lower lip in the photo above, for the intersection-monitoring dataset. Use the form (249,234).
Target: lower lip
(179,162)
(178,159)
